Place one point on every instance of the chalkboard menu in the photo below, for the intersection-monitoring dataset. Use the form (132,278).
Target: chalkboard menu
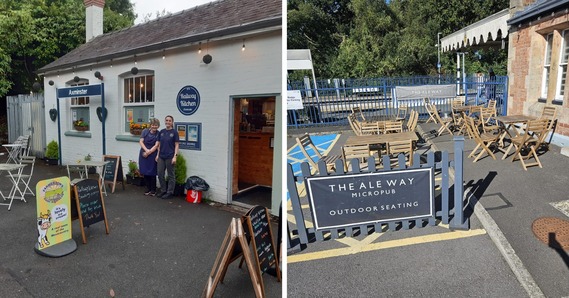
(90,204)
(113,171)
(262,238)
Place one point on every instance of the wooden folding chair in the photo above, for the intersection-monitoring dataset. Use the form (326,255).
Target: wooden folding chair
(357,111)
(361,152)
(487,121)
(305,143)
(412,122)
(392,126)
(535,133)
(401,112)
(549,113)
(483,140)
(394,148)
(444,122)
(431,108)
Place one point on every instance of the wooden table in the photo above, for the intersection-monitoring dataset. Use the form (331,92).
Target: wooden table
(381,139)
(15,180)
(510,124)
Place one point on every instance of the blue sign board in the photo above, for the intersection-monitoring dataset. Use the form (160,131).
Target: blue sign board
(79,91)
(188,100)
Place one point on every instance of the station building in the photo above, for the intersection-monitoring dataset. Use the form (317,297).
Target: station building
(216,68)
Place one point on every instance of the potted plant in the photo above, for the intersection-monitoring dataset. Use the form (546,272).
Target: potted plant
(137,128)
(180,172)
(133,176)
(52,153)
(81,125)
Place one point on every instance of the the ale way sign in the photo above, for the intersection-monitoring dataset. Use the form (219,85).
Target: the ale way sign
(341,201)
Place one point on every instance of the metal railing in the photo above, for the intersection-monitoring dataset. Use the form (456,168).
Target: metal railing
(332,100)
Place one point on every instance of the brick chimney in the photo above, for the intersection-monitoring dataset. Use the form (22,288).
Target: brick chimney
(93,18)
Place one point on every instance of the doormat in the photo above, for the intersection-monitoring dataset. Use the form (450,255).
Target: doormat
(552,231)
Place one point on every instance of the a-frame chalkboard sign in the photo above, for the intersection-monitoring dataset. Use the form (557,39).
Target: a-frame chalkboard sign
(90,204)
(233,246)
(113,171)
(260,233)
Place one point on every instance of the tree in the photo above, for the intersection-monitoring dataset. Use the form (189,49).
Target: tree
(369,38)
(36,32)
(320,26)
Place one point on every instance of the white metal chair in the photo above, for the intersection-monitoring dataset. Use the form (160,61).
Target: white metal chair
(76,173)
(26,174)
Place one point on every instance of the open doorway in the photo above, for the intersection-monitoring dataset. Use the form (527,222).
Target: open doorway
(253,149)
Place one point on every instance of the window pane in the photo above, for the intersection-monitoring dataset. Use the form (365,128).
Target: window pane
(138,115)
(548,49)
(80,116)
(563,77)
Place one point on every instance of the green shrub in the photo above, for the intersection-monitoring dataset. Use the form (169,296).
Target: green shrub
(180,169)
(52,151)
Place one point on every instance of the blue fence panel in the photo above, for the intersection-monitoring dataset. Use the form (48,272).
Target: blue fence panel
(330,103)
(451,214)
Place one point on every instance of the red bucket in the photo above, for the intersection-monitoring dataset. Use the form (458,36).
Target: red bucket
(194,196)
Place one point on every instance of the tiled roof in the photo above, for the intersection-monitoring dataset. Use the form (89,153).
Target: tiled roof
(196,24)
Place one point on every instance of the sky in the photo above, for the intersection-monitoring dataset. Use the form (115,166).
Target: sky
(143,7)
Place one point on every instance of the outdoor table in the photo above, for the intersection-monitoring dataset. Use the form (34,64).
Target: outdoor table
(13,152)
(509,125)
(15,180)
(381,138)
(100,165)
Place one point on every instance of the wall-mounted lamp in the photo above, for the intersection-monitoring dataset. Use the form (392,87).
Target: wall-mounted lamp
(207,59)
(50,82)
(76,79)
(98,75)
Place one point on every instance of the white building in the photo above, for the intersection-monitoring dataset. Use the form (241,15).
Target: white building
(215,68)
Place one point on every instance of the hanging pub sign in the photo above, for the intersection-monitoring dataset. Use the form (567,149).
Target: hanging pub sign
(190,135)
(366,198)
(188,100)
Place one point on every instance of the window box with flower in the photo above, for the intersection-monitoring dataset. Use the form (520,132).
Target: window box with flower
(81,125)
(134,176)
(137,128)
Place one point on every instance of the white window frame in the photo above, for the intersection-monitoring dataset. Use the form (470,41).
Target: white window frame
(75,105)
(144,102)
(562,70)
(546,64)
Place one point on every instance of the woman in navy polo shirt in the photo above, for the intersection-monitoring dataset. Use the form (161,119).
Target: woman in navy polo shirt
(168,145)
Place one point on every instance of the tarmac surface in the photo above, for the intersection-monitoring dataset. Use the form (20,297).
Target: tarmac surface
(155,248)
(499,256)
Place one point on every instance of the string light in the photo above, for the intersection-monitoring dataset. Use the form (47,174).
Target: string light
(163,54)
(200,49)
(243,47)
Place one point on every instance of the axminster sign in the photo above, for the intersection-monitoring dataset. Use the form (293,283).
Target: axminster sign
(355,199)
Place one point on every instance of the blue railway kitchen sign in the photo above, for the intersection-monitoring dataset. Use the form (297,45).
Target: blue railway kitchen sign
(188,100)
(367,198)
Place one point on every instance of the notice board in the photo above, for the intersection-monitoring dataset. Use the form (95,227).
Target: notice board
(113,171)
(90,204)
